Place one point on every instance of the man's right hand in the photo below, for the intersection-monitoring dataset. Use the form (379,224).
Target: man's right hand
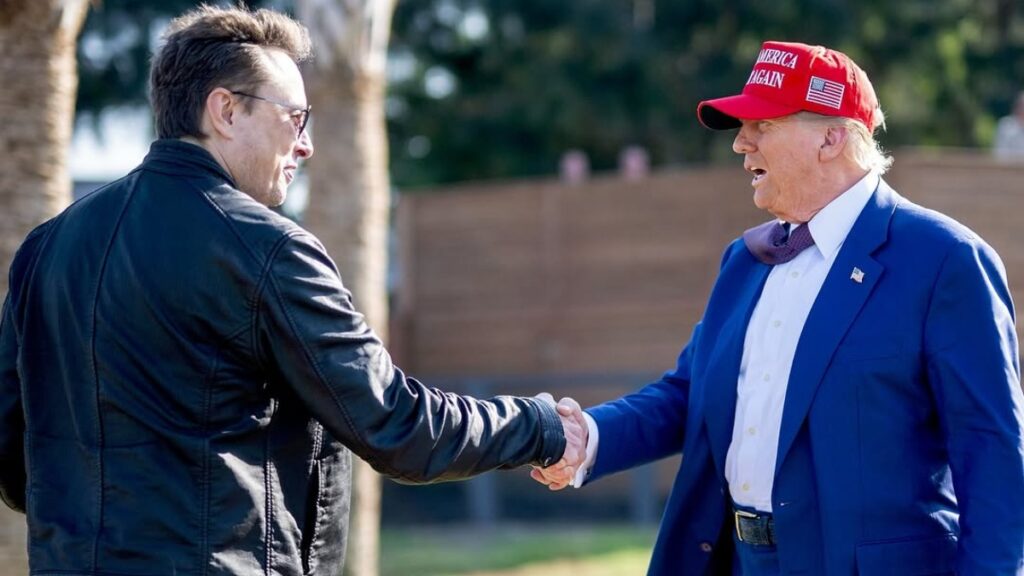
(561,474)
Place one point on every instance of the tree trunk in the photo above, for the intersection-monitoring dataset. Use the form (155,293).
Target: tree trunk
(37,103)
(349,212)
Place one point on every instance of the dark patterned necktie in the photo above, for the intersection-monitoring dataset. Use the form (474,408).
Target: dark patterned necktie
(772,244)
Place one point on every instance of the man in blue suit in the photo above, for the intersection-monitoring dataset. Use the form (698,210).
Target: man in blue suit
(850,402)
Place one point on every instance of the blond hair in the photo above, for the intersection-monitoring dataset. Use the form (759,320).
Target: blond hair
(861,146)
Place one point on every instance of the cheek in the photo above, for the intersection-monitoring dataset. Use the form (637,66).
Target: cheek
(272,160)
(791,167)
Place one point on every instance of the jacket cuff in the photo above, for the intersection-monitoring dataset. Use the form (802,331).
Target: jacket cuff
(552,437)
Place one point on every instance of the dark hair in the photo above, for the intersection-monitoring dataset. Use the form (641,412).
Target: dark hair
(210,47)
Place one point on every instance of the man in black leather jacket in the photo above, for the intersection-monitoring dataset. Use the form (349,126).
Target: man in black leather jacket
(182,373)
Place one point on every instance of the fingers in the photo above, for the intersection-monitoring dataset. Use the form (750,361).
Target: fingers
(575,441)
(553,482)
(574,427)
(576,434)
(557,476)
(546,398)
(567,406)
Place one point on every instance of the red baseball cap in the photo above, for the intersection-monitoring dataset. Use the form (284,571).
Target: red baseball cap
(789,77)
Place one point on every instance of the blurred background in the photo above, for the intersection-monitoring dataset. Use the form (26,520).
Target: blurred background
(522,200)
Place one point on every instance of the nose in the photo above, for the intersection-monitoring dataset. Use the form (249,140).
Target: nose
(304,145)
(743,143)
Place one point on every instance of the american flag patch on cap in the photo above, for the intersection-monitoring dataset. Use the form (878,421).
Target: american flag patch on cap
(825,92)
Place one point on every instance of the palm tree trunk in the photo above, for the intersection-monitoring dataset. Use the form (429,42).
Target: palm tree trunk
(37,103)
(349,212)
(349,188)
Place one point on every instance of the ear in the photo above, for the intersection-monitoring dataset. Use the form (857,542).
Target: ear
(221,107)
(833,143)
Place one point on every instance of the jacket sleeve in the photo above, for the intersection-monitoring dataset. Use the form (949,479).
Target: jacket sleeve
(974,372)
(309,335)
(12,422)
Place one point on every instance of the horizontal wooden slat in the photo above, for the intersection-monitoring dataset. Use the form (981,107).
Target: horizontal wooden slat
(544,278)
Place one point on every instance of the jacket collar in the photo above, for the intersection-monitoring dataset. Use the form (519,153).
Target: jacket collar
(173,155)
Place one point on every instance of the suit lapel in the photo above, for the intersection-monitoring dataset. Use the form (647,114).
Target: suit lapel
(851,280)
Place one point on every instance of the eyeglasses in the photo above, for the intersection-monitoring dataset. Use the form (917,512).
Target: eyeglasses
(302,114)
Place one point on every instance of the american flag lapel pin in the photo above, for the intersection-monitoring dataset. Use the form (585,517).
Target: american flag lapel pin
(857,275)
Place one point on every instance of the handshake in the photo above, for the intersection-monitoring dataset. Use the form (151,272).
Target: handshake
(574,425)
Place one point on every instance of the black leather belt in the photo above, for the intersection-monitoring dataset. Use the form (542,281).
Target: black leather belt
(756,529)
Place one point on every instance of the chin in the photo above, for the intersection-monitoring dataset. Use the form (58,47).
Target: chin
(275,196)
(761,202)
(269,198)
(275,200)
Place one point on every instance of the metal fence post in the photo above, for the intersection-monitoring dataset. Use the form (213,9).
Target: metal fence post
(482,491)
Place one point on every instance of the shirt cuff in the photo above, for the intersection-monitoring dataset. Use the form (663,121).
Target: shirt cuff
(592,437)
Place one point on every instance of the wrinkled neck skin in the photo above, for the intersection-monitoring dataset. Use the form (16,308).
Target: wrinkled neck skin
(832,180)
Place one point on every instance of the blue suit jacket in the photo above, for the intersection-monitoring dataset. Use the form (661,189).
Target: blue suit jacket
(901,445)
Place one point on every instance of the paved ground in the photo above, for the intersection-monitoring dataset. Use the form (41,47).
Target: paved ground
(12,543)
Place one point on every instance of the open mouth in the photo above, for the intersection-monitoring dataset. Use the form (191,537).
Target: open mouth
(759,175)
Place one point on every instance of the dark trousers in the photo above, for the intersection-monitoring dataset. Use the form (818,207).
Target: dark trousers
(755,560)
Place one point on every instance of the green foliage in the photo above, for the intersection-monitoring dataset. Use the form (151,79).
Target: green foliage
(590,74)
(116,45)
(484,89)
(115,48)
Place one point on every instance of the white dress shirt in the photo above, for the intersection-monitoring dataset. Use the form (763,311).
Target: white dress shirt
(768,351)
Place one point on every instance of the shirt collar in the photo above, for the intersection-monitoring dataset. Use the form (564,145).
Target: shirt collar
(832,224)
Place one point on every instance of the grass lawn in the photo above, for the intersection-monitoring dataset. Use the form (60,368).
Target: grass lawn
(464,551)
(516,551)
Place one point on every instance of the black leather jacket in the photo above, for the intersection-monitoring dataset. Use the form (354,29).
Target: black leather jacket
(182,376)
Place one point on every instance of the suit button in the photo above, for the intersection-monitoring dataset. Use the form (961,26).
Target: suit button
(705,547)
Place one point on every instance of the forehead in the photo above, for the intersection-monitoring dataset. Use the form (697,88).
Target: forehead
(788,133)
(283,75)
(765,123)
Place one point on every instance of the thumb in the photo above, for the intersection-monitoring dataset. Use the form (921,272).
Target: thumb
(568,407)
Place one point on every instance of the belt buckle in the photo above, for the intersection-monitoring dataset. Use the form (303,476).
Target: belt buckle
(737,514)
